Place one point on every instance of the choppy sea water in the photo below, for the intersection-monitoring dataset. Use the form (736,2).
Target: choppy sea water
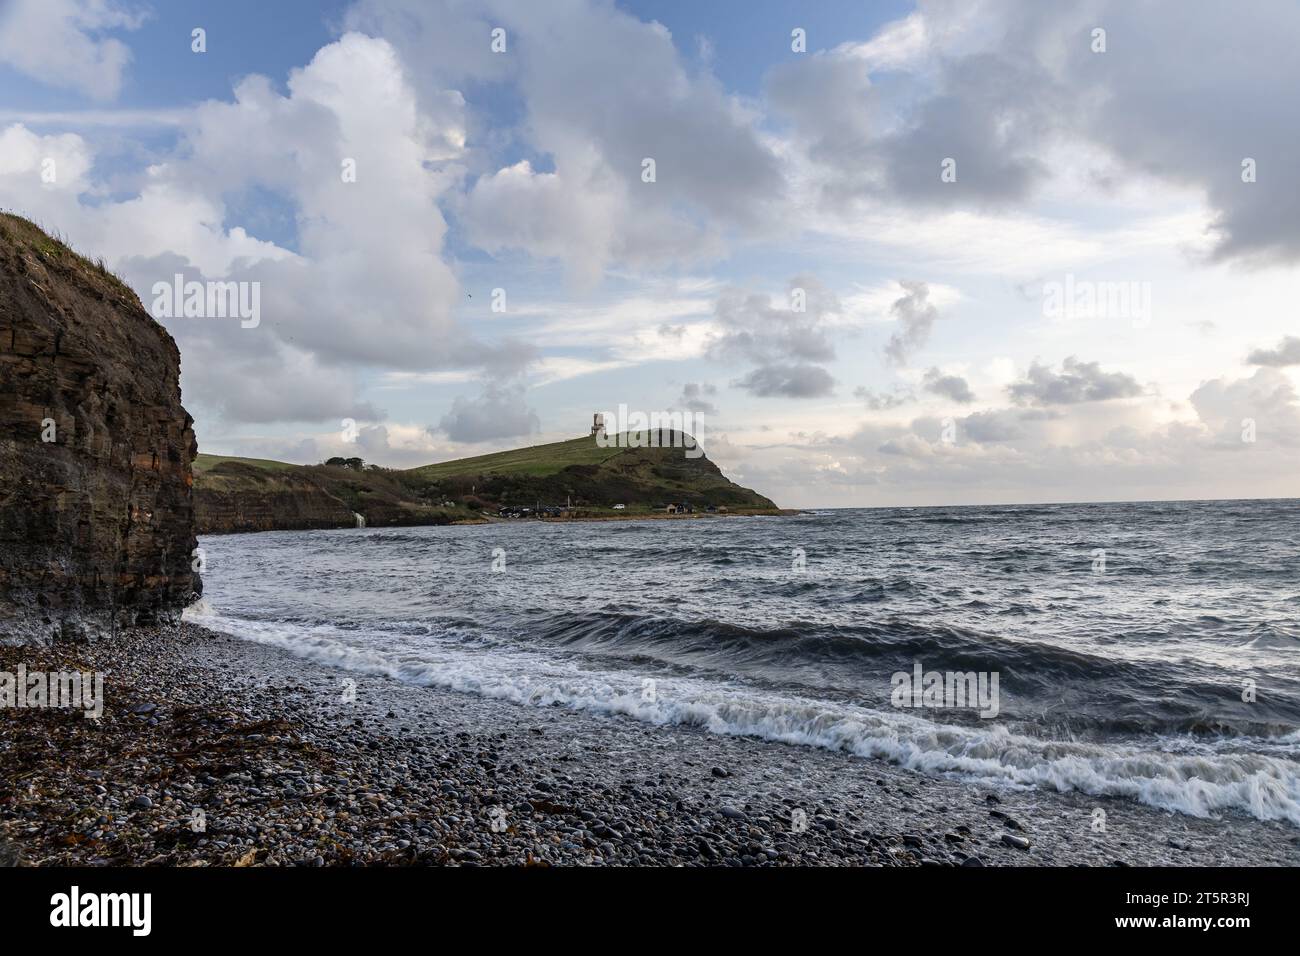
(1166,669)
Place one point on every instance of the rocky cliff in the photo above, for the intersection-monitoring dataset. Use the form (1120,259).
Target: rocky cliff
(234,497)
(96,518)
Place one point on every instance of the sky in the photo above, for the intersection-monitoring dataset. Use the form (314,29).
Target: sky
(896,253)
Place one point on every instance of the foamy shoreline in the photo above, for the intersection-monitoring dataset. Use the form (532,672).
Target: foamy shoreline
(286,769)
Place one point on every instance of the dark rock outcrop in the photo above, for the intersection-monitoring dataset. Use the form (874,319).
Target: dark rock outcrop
(96,517)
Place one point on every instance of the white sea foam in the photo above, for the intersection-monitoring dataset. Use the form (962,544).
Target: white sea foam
(1198,780)
(202,608)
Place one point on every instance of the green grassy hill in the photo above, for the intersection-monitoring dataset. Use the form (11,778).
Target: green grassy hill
(537,460)
(251,494)
(204,462)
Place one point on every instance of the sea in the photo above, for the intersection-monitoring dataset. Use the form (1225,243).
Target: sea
(1146,651)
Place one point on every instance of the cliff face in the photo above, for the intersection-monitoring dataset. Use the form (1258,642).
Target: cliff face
(233,496)
(236,497)
(96,519)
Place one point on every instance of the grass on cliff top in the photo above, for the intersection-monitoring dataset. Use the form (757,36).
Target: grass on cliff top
(51,246)
(204,463)
(536,461)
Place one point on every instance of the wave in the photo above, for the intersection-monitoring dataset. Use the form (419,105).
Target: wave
(199,609)
(1194,777)
(1061,689)
(1038,681)
(1274,637)
(890,640)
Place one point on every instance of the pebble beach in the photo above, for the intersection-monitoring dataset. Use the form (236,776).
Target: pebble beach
(215,751)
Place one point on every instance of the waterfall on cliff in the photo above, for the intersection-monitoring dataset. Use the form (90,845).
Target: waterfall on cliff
(361,519)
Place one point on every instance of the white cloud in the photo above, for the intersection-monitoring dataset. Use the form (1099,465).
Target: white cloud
(897,45)
(498,412)
(1263,407)
(367,284)
(63,43)
(47,168)
(559,368)
(1015,94)
(603,91)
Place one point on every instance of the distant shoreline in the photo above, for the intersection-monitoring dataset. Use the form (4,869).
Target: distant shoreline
(651,516)
(493,519)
